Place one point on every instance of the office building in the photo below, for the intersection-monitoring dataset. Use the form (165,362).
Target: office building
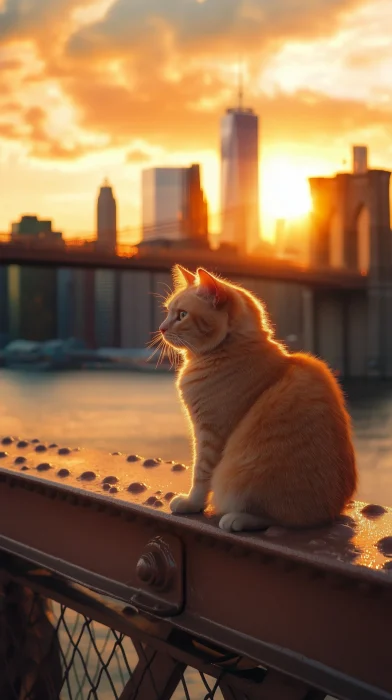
(240,179)
(32,302)
(106,219)
(65,303)
(4,330)
(174,207)
(136,303)
(106,303)
(32,230)
(76,305)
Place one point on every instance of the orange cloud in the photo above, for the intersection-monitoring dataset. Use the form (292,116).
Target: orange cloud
(30,128)
(136,155)
(10,65)
(205,28)
(160,71)
(9,131)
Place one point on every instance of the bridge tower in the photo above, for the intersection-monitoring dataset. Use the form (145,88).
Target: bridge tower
(351,230)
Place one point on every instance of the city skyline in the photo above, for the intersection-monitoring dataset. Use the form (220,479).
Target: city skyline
(86,97)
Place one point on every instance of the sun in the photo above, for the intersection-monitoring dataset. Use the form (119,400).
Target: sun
(285,191)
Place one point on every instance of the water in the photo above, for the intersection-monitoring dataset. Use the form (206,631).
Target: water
(132,412)
(108,410)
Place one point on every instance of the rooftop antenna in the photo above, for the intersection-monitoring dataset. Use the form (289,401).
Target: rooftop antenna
(240,84)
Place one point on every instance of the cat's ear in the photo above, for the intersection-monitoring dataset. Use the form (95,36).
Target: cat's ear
(211,287)
(182,277)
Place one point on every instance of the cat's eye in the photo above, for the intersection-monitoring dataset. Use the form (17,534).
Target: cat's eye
(182,314)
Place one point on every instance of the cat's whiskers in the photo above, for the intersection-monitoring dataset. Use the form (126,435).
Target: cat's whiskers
(172,352)
(156,337)
(160,344)
(164,351)
(188,345)
(159,347)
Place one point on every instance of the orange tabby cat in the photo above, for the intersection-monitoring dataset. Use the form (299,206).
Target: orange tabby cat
(272,438)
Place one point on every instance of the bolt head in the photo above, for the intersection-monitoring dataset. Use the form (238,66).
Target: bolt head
(147,568)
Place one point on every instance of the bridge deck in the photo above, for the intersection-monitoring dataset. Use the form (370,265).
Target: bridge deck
(264,268)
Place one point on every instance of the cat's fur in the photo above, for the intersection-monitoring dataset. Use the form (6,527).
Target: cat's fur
(272,437)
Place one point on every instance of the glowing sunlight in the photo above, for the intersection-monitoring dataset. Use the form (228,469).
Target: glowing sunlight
(285,190)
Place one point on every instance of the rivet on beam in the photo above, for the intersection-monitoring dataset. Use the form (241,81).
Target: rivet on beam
(64,451)
(63,473)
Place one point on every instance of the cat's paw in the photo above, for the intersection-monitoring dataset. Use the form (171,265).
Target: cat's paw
(236,522)
(184,504)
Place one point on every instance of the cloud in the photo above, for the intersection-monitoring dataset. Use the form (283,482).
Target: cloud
(191,27)
(9,131)
(137,155)
(30,128)
(172,115)
(164,113)
(34,20)
(307,114)
(10,64)
(162,71)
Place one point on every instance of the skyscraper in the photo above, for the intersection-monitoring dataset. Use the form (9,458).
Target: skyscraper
(106,219)
(173,206)
(240,179)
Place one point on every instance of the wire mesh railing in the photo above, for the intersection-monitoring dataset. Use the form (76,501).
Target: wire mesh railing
(49,651)
(95,660)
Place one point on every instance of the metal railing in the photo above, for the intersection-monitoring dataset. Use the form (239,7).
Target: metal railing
(162,259)
(104,594)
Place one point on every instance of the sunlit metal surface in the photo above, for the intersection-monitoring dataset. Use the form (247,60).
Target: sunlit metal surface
(357,540)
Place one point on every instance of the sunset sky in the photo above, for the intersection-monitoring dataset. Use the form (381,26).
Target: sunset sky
(95,89)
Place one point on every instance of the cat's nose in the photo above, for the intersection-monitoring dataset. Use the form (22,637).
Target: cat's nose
(163,329)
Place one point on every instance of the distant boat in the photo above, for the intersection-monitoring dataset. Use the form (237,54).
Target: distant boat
(22,352)
(72,354)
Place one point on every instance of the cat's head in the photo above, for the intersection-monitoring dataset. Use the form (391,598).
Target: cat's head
(204,311)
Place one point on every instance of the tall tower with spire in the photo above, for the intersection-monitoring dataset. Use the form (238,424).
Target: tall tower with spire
(240,215)
(106,219)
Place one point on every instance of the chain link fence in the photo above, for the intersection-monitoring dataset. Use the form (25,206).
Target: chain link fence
(48,651)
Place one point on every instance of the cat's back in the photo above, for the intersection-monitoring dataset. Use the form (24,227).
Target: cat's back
(306,401)
(292,456)
(313,380)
